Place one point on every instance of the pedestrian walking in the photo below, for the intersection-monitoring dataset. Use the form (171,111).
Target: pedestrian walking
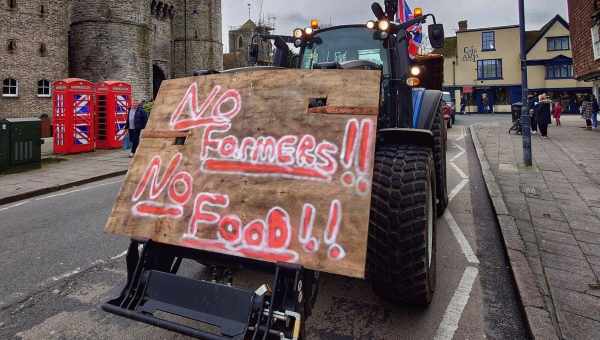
(543,114)
(557,111)
(587,109)
(532,106)
(463,105)
(136,122)
(595,109)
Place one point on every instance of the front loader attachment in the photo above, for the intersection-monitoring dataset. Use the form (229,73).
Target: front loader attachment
(211,310)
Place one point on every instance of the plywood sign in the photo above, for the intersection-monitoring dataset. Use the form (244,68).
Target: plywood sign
(274,165)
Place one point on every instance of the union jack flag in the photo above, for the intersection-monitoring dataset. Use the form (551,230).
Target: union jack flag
(122,104)
(82,136)
(82,104)
(405,13)
(121,119)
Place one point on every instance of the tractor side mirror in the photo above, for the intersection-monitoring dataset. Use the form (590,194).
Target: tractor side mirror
(378,11)
(436,35)
(253,54)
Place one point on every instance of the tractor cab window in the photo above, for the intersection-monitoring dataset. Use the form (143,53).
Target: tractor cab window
(345,44)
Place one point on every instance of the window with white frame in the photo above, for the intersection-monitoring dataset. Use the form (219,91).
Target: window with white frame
(43,88)
(10,87)
(596,41)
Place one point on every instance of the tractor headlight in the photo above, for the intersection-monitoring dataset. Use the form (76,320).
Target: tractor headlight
(371,24)
(309,30)
(298,33)
(415,71)
(383,25)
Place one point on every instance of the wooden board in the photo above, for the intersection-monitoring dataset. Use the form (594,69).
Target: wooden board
(240,164)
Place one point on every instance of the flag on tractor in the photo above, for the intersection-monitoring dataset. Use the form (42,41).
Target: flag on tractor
(414,32)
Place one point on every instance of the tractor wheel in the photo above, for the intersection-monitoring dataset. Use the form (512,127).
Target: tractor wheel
(401,252)
(439,158)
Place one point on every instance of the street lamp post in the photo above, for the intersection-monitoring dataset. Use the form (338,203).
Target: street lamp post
(525,121)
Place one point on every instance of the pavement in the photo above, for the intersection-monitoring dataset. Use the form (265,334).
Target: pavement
(549,215)
(62,171)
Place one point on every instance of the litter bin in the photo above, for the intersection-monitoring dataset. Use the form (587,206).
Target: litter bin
(23,140)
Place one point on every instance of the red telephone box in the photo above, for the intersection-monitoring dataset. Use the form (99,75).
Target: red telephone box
(73,113)
(113,101)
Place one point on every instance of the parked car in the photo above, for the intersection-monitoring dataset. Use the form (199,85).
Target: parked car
(448,109)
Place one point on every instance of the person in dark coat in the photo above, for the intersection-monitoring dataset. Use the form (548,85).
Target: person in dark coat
(532,106)
(544,117)
(136,122)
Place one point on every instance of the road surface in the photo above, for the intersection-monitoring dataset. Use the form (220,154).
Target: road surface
(58,266)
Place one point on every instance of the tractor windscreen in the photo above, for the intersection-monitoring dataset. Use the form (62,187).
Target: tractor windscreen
(345,44)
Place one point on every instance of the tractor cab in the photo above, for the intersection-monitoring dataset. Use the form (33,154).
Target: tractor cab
(380,44)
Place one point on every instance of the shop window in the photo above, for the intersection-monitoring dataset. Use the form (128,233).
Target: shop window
(43,88)
(559,71)
(240,43)
(488,41)
(10,87)
(502,97)
(596,41)
(489,69)
(558,44)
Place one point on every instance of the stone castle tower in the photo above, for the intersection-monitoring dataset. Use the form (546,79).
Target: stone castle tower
(144,41)
(140,41)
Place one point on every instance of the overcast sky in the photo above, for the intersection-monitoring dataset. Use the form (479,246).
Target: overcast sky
(480,13)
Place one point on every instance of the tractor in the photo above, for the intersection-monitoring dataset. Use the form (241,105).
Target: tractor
(408,193)
(412,137)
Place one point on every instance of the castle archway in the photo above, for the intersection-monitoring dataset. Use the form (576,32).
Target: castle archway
(157,78)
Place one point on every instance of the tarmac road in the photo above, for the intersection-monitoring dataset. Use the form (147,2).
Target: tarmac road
(57,266)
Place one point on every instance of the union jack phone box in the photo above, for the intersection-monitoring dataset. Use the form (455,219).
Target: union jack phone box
(73,116)
(113,101)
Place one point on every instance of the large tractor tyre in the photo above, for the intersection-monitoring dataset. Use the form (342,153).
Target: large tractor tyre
(439,158)
(401,252)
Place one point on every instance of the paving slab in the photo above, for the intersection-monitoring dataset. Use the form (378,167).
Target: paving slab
(70,171)
(554,213)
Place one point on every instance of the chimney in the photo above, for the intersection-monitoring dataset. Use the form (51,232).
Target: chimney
(463,25)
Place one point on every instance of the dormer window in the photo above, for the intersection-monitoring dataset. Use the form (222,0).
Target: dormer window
(558,44)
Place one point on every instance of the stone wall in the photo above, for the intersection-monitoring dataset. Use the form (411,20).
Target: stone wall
(103,40)
(30,26)
(111,40)
(198,37)
(162,41)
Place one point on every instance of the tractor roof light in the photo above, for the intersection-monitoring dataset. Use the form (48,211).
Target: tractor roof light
(415,71)
(371,24)
(314,24)
(298,33)
(418,12)
(413,81)
(383,25)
